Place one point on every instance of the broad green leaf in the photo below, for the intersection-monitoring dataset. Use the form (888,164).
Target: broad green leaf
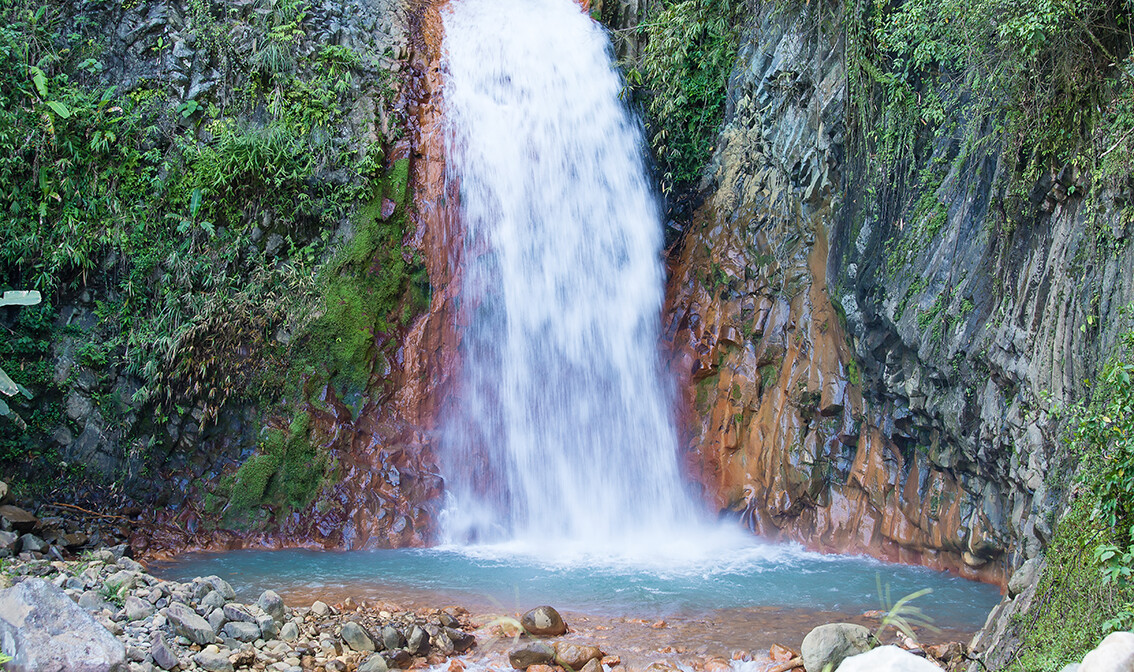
(7,385)
(40,81)
(59,108)
(4,410)
(20,298)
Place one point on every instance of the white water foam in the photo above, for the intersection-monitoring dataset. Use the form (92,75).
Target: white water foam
(562,436)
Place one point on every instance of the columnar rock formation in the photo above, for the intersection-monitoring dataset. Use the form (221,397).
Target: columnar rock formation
(901,409)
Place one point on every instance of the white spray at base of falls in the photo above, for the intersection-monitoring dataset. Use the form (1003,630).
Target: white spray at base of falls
(562,431)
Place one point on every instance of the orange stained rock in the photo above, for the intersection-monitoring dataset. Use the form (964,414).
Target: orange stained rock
(772,425)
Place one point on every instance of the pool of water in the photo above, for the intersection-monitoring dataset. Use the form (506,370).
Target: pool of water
(750,578)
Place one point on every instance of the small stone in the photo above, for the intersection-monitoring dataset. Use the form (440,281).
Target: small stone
(289,632)
(373,663)
(544,622)
(575,655)
(335,665)
(356,637)
(593,665)
(318,608)
(531,653)
(217,619)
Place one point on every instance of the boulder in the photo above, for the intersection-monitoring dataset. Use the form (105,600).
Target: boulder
(212,600)
(30,542)
(356,637)
(269,627)
(213,661)
(531,653)
(238,612)
(272,604)
(462,641)
(417,640)
(219,585)
(20,520)
(137,609)
(163,656)
(830,644)
(1023,577)
(8,540)
(543,621)
(398,658)
(887,659)
(43,629)
(1114,654)
(392,638)
(575,656)
(241,631)
(189,625)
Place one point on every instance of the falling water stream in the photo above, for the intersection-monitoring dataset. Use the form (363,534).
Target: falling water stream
(563,431)
(559,449)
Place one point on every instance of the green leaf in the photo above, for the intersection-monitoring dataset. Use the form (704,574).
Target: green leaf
(4,410)
(20,298)
(7,385)
(40,81)
(59,108)
(195,202)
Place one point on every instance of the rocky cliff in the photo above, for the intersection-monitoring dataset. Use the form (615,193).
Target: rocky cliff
(876,366)
(259,355)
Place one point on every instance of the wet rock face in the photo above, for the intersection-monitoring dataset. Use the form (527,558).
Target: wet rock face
(899,411)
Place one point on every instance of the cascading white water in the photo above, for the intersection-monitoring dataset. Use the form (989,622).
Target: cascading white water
(563,428)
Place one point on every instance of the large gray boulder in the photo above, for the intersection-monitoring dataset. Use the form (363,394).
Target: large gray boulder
(1114,654)
(45,631)
(357,637)
(832,643)
(188,624)
(887,659)
(272,604)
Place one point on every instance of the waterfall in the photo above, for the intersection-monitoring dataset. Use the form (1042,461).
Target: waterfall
(562,429)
